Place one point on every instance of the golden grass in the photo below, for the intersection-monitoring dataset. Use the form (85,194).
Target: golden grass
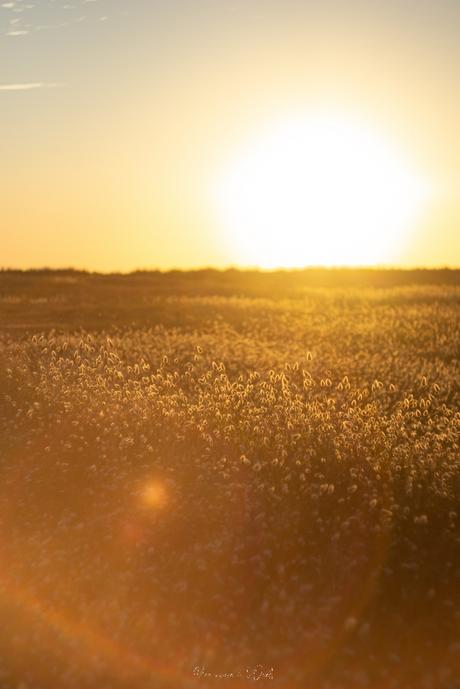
(263,481)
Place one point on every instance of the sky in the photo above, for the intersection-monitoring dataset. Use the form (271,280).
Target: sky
(117,116)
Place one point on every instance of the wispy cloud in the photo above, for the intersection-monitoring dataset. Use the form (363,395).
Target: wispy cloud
(23,17)
(29,86)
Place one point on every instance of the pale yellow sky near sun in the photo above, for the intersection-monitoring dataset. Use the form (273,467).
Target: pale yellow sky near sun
(113,130)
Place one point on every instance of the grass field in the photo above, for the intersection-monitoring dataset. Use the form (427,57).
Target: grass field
(243,473)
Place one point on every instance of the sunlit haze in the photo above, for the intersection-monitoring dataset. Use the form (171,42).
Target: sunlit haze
(246,133)
(229,317)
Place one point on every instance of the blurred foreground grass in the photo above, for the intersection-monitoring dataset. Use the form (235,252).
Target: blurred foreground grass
(216,471)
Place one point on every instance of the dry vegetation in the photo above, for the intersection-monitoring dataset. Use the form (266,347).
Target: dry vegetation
(252,470)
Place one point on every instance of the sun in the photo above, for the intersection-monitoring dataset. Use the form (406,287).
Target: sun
(319,189)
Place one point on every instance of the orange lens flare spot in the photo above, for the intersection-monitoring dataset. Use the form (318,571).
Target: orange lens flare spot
(154,495)
(132,533)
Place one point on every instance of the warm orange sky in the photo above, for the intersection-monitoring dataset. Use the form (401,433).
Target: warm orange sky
(118,117)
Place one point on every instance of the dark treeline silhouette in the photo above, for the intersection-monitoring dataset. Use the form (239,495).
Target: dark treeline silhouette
(52,298)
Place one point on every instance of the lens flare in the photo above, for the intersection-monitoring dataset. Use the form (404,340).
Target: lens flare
(154,495)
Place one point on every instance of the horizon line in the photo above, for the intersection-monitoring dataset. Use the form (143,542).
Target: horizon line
(232,268)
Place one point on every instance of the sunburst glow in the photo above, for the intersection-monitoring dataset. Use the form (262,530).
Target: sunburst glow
(319,190)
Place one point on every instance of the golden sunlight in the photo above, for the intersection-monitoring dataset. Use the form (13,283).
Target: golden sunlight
(319,190)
